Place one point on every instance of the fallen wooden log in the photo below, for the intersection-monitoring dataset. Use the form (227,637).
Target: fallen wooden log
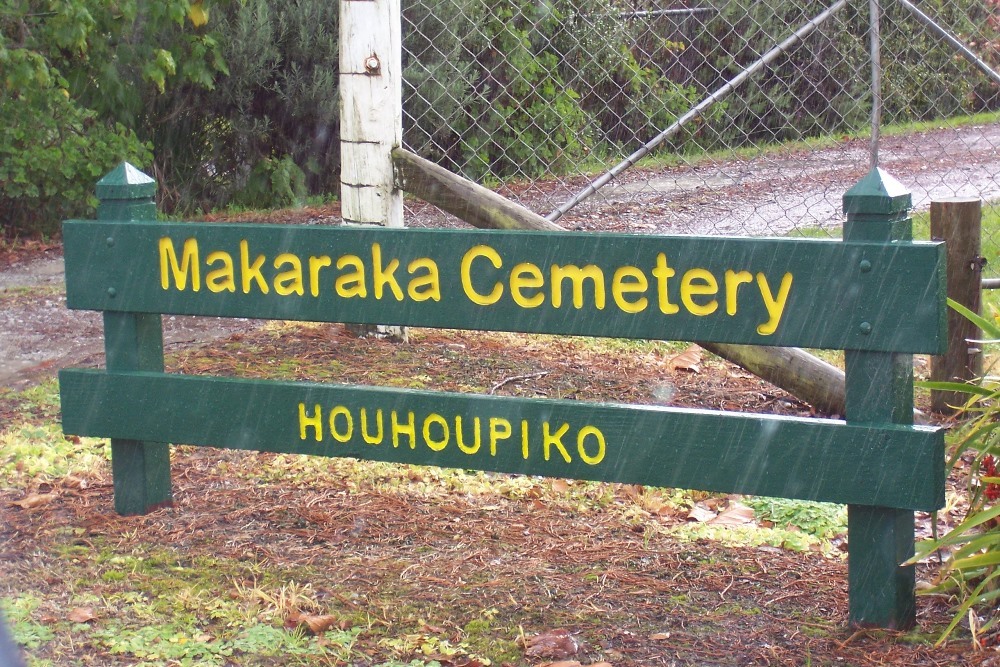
(801,374)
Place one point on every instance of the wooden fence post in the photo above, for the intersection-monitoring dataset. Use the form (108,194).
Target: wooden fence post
(371,114)
(957,222)
(141,470)
(371,119)
(879,391)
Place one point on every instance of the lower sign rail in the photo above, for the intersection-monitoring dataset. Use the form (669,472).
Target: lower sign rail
(826,460)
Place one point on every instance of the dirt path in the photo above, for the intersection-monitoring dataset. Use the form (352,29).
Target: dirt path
(39,335)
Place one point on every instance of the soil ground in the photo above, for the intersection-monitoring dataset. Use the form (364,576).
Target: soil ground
(418,559)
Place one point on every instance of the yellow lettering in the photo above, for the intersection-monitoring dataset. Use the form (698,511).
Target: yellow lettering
(775,306)
(526,276)
(370,439)
(499,430)
(436,445)
(699,282)
(188,264)
(459,439)
(315,421)
(222,279)
(467,259)
(581,437)
(315,264)
(384,276)
(251,272)
(408,428)
(348,432)
(577,275)
(550,439)
(733,282)
(629,280)
(524,439)
(351,284)
(425,287)
(663,274)
(288,282)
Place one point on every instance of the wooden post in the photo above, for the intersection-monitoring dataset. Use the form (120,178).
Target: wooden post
(879,391)
(141,470)
(371,113)
(371,120)
(957,222)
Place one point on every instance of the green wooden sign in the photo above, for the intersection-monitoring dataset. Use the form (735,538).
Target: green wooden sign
(826,460)
(876,295)
(810,293)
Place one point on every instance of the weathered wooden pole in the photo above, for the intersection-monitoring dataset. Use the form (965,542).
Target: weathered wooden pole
(371,120)
(879,392)
(371,112)
(141,470)
(957,222)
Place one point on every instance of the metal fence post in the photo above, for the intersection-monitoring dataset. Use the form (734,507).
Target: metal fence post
(879,391)
(141,470)
(958,222)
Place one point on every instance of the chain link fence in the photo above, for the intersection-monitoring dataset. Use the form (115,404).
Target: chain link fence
(741,117)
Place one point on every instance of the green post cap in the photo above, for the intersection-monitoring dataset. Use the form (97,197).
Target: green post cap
(878,193)
(125,182)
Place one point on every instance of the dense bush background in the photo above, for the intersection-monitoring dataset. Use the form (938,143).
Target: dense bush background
(235,101)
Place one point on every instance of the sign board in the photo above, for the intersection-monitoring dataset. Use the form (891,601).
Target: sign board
(783,292)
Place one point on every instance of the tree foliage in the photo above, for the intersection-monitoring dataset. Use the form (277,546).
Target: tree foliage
(80,85)
(274,132)
(236,101)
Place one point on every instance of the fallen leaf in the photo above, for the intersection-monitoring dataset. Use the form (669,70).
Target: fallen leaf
(74,482)
(313,623)
(658,507)
(735,515)
(631,491)
(467,662)
(700,513)
(659,636)
(34,500)
(560,485)
(688,360)
(81,615)
(562,663)
(558,643)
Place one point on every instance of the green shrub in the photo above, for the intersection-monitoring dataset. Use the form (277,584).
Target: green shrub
(970,574)
(925,78)
(82,81)
(496,89)
(52,150)
(273,183)
(273,114)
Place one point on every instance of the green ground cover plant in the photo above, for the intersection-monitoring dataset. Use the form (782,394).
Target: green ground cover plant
(971,550)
